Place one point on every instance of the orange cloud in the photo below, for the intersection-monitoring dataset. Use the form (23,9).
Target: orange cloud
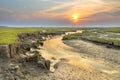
(84,8)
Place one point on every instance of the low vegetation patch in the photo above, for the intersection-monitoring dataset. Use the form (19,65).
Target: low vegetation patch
(104,36)
(9,35)
(114,30)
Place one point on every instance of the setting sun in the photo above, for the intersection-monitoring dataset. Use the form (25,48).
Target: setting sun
(75,17)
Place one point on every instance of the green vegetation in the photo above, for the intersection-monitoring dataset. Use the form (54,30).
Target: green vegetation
(102,35)
(114,30)
(78,35)
(8,35)
(39,56)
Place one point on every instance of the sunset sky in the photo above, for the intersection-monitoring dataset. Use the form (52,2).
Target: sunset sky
(36,13)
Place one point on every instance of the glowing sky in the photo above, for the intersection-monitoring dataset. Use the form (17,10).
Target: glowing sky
(59,12)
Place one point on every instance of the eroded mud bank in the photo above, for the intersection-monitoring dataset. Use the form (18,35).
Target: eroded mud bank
(17,59)
(23,44)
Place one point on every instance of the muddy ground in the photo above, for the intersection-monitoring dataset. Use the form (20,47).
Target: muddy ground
(71,60)
(81,66)
(99,53)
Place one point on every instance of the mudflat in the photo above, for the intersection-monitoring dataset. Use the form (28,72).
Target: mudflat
(76,65)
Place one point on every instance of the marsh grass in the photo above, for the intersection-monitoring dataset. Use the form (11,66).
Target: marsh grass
(95,35)
(9,35)
(114,30)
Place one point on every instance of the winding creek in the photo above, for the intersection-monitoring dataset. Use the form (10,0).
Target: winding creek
(56,48)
